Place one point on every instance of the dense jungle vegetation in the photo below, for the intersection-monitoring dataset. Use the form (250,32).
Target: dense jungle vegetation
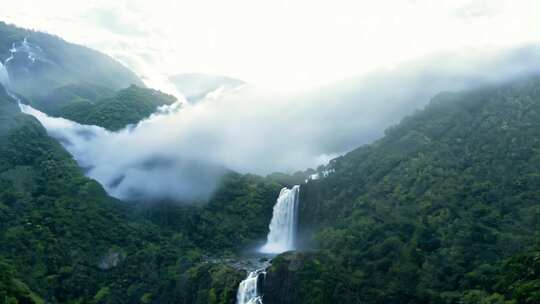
(443,209)
(114,111)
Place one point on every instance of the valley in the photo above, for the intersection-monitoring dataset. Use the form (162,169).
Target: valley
(100,204)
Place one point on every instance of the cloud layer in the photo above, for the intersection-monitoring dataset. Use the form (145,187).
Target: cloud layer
(181,154)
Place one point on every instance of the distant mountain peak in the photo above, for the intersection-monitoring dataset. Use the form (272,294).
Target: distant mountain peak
(197,86)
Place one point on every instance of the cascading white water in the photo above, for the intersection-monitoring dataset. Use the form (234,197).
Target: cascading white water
(247,290)
(282,233)
(33,52)
(281,238)
(4,76)
(6,83)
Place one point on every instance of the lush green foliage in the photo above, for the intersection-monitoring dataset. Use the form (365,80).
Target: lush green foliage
(91,104)
(520,277)
(56,101)
(12,290)
(127,106)
(236,217)
(429,213)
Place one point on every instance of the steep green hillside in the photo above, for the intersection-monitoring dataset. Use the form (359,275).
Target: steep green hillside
(127,106)
(59,230)
(235,218)
(444,209)
(54,101)
(61,78)
(8,110)
(44,62)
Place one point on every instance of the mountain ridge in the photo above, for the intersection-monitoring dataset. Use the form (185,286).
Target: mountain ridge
(430,213)
(38,61)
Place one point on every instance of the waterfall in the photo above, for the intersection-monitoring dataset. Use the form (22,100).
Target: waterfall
(280,238)
(282,233)
(6,82)
(4,76)
(247,290)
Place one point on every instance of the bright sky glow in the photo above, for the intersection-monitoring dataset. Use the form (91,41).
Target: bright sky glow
(278,44)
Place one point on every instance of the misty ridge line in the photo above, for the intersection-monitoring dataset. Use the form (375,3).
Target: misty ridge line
(181,152)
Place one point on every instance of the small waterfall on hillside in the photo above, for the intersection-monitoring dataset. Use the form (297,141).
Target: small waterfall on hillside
(6,83)
(247,290)
(282,233)
(4,76)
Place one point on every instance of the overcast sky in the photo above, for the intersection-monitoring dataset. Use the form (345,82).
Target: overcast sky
(284,44)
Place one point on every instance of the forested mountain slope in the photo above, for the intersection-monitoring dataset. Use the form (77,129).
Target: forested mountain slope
(52,102)
(69,80)
(38,62)
(443,209)
(113,111)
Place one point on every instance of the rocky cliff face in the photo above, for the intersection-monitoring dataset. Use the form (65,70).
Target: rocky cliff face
(285,279)
(279,285)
